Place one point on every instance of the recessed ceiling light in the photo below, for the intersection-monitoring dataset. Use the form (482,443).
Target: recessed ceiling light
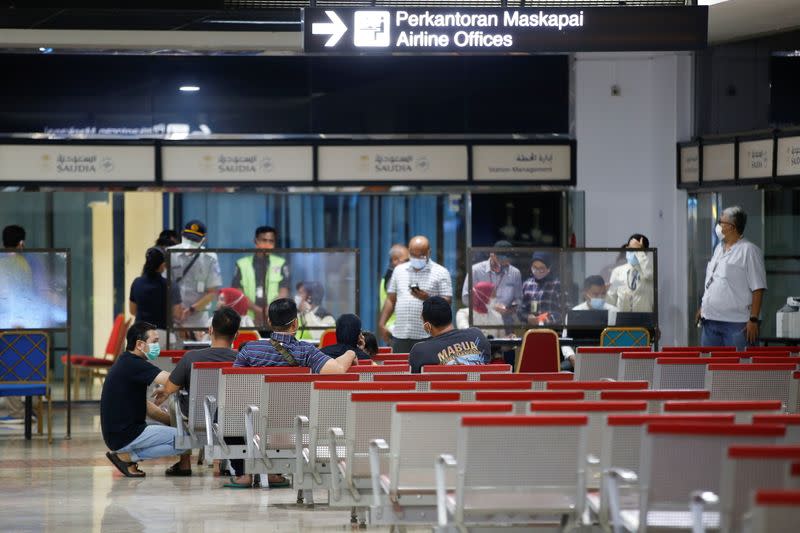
(189,88)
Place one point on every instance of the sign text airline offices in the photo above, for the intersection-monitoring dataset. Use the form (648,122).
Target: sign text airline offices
(503,30)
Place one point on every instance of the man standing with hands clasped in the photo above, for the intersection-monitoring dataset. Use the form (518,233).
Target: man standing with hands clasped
(734,287)
(412,283)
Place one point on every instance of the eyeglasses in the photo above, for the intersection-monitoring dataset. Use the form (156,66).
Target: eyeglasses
(720,222)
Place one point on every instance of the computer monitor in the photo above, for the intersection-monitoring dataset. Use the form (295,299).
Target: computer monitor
(595,319)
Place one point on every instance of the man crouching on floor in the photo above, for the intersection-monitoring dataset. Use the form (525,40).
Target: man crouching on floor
(124,407)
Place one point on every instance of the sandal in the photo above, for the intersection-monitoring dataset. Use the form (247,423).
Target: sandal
(176,470)
(233,484)
(283,482)
(125,467)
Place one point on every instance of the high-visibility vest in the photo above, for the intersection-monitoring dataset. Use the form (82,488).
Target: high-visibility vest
(274,277)
(383,301)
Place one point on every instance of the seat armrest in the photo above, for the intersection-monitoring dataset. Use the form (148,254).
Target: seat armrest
(376,447)
(336,473)
(212,428)
(611,481)
(253,440)
(209,409)
(300,422)
(444,462)
(180,428)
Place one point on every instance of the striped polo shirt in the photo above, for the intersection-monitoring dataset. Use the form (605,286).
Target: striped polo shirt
(263,353)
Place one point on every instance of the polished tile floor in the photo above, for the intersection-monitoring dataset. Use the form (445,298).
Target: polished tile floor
(70,486)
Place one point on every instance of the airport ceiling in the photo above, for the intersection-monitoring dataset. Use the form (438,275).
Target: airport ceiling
(274,26)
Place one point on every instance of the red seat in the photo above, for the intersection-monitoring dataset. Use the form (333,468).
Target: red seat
(245,336)
(97,366)
(540,352)
(328,338)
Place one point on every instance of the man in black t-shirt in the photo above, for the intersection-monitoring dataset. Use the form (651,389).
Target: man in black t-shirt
(447,346)
(124,406)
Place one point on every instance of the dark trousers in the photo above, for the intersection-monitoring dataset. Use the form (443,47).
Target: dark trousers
(236,464)
(403,345)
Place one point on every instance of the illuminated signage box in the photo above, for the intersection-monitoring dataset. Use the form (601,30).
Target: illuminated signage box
(719,162)
(549,163)
(221,164)
(392,163)
(499,31)
(690,164)
(755,159)
(77,163)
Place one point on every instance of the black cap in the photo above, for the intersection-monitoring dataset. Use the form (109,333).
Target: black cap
(194,230)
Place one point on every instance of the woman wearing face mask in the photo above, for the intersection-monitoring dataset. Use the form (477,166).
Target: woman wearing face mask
(148,295)
(541,293)
(631,284)
(483,312)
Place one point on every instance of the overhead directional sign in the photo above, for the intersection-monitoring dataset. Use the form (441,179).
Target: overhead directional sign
(504,31)
(335,28)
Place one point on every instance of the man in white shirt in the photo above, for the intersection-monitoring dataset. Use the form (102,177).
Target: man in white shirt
(197,275)
(734,287)
(631,286)
(412,283)
(594,294)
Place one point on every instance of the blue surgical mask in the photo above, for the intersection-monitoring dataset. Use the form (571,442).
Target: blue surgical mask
(418,263)
(632,259)
(153,351)
(597,303)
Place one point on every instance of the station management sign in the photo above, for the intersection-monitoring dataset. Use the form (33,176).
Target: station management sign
(499,31)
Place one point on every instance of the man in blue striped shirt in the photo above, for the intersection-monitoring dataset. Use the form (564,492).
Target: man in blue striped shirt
(283,349)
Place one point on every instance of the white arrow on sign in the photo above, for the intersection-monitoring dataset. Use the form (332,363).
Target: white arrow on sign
(335,28)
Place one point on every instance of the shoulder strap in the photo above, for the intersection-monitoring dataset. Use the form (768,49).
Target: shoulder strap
(284,353)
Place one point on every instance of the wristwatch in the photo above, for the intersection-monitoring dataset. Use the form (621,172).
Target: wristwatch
(754,319)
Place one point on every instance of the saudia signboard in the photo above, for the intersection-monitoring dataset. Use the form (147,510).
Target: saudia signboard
(496,31)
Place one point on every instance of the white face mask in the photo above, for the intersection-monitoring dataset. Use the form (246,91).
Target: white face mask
(418,263)
(189,243)
(718,231)
(597,303)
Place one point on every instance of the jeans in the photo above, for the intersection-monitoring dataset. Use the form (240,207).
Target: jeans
(717,333)
(155,441)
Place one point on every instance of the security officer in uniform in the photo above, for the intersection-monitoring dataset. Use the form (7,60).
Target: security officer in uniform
(196,274)
(262,277)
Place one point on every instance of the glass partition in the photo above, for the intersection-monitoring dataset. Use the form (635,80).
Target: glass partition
(513,289)
(322,282)
(33,290)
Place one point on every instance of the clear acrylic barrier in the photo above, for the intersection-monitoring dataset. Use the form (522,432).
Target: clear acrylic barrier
(324,282)
(513,289)
(34,289)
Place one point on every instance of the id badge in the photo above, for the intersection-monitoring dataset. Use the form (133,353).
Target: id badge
(201,287)
(259,292)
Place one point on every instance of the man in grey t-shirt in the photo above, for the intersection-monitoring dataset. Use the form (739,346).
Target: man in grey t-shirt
(223,330)
(447,346)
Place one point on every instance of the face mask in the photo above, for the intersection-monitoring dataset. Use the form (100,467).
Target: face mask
(597,303)
(718,231)
(632,259)
(153,351)
(418,263)
(298,300)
